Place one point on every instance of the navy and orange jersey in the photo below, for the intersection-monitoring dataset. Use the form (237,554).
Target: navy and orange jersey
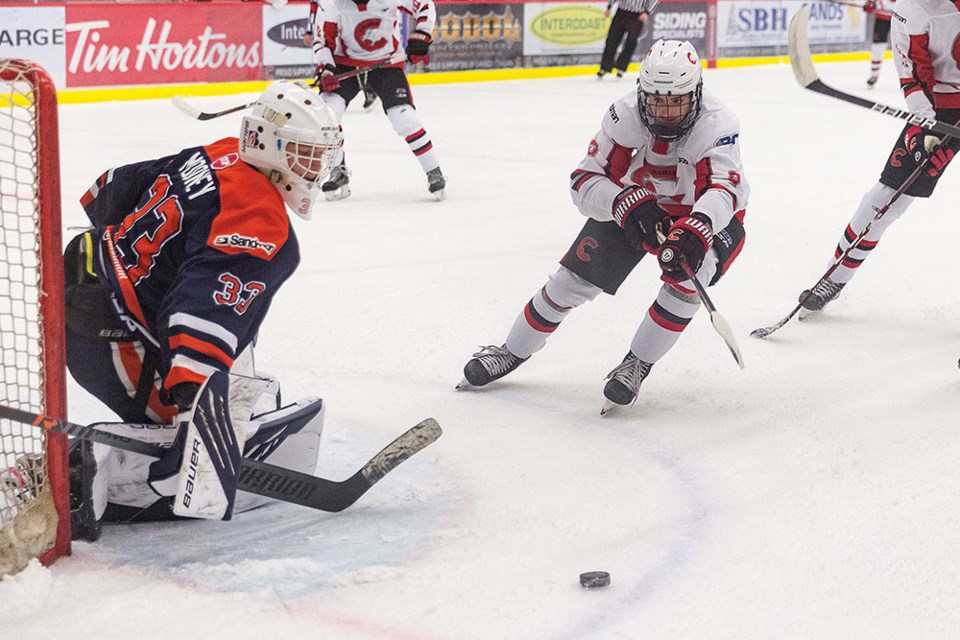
(194,247)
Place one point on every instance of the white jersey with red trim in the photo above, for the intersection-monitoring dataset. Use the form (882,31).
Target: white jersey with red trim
(360,34)
(884,9)
(700,172)
(924,36)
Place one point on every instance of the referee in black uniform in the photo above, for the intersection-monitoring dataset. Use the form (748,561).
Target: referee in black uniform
(626,26)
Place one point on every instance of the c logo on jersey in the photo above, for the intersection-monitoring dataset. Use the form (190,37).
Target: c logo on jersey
(586,243)
(362,35)
(226,161)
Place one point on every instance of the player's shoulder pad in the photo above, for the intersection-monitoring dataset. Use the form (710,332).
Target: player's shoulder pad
(252,218)
(717,127)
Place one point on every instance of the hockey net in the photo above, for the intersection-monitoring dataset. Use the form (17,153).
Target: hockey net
(34,490)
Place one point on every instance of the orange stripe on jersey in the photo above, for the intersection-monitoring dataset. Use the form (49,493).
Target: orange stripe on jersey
(166,412)
(182,374)
(252,217)
(207,349)
(131,361)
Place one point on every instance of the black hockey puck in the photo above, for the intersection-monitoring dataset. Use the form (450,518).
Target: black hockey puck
(594,579)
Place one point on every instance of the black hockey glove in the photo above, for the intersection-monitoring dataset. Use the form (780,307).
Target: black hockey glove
(636,210)
(687,241)
(922,145)
(183,395)
(418,47)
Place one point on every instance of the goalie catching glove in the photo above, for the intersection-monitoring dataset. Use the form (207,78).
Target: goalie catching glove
(636,210)
(922,145)
(687,241)
(418,47)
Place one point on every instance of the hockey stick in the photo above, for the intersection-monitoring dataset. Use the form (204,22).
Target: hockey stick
(263,478)
(276,4)
(718,321)
(197,114)
(848,4)
(797,42)
(801,60)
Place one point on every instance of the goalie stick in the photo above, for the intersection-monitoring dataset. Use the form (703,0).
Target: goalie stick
(263,478)
(180,103)
(804,70)
(802,62)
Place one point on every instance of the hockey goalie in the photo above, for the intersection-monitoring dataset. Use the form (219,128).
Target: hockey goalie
(165,295)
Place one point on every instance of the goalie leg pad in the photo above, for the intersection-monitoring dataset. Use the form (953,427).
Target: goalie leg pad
(215,433)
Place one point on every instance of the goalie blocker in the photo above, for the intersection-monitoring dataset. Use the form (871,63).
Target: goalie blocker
(198,475)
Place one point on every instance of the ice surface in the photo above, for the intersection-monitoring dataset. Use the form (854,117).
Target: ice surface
(813,495)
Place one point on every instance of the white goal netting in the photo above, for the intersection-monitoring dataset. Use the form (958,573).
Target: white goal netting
(28,518)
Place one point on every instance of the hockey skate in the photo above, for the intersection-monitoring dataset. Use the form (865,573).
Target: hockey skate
(623,383)
(601,73)
(436,183)
(823,292)
(84,524)
(489,364)
(872,80)
(338,186)
(619,74)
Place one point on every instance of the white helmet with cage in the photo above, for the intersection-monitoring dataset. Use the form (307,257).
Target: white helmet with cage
(293,136)
(670,71)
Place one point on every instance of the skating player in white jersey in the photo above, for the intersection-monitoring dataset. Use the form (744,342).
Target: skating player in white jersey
(924,36)
(662,176)
(353,34)
(882,11)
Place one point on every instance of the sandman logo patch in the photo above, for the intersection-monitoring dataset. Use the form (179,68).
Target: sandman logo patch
(243,242)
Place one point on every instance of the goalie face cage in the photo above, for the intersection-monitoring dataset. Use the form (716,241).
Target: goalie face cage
(34,487)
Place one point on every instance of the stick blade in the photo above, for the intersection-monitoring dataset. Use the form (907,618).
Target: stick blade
(723,328)
(186,107)
(799,49)
(410,442)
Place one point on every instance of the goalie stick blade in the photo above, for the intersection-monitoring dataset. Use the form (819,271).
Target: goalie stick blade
(263,478)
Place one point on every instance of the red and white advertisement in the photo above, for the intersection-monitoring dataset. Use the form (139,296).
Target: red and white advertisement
(162,43)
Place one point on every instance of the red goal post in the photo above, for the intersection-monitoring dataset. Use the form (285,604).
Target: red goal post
(34,481)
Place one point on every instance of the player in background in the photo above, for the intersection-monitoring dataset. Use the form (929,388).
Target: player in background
(882,11)
(924,37)
(351,35)
(662,176)
(166,293)
(626,27)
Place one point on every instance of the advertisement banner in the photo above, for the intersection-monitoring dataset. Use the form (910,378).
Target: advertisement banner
(477,36)
(287,43)
(111,44)
(565,28)
(677,21)
(37,34)
(763,23)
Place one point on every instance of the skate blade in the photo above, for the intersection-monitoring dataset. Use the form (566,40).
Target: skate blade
(808,314)
(463,384)
(609,407)
(338,194)
(439,195)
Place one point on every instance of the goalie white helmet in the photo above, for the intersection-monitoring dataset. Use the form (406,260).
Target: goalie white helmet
(293,136)
(670,89)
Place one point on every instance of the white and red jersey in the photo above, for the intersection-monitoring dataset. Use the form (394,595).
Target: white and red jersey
(927,53)
(700,172)
(360,34)
(884,9)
